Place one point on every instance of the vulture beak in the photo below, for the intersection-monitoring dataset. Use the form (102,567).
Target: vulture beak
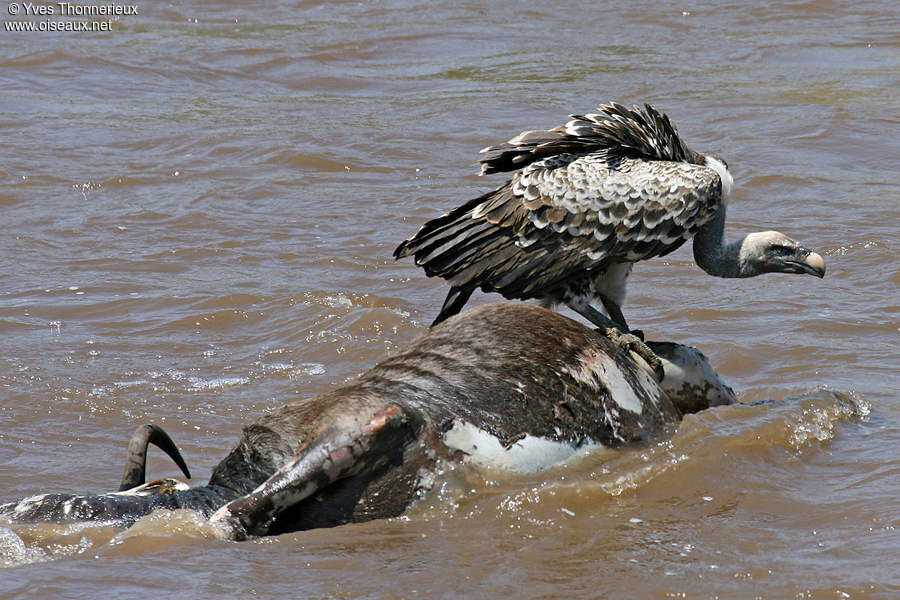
(806,261)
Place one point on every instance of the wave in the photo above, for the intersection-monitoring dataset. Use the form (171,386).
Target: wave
(736,447)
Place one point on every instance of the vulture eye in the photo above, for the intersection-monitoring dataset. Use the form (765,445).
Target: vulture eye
(782,250)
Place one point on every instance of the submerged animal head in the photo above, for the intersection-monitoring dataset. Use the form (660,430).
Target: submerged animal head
(690,381)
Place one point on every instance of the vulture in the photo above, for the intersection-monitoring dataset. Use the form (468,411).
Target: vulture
(587,200)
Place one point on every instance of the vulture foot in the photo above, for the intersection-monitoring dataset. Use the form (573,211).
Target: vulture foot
(618,333)
(632,343)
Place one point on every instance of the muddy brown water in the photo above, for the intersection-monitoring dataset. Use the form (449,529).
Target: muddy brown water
(199,209)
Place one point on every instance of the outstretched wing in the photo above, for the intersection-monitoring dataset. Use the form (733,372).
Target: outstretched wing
(563,216)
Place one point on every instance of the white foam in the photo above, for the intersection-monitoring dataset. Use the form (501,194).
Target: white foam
(216,383)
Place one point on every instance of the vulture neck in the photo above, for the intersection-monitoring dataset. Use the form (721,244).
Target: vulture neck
(716,257)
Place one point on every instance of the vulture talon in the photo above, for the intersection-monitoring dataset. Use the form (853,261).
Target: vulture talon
(632,343)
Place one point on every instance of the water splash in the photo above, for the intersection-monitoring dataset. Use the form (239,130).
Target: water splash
(820,413)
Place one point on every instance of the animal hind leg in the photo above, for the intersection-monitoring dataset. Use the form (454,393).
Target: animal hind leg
(325,459)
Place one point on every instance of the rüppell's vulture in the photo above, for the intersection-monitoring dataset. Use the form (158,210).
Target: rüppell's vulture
(589,199)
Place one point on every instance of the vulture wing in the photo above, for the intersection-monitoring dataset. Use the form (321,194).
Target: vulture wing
(563,216)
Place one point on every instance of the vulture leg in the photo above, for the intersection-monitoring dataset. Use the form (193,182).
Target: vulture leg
(593,315)
(615,312)
(334,454)
(613,331)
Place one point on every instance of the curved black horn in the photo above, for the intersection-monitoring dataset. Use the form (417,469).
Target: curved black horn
(136,462)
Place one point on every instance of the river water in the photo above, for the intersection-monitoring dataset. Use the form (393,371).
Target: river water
(199,209)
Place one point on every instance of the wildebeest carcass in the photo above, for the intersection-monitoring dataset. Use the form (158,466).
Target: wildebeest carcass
(508,384)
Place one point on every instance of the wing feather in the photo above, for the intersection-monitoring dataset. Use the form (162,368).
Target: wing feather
(563,216)
(644,132)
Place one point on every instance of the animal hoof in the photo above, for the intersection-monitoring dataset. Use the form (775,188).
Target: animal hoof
(230,523)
